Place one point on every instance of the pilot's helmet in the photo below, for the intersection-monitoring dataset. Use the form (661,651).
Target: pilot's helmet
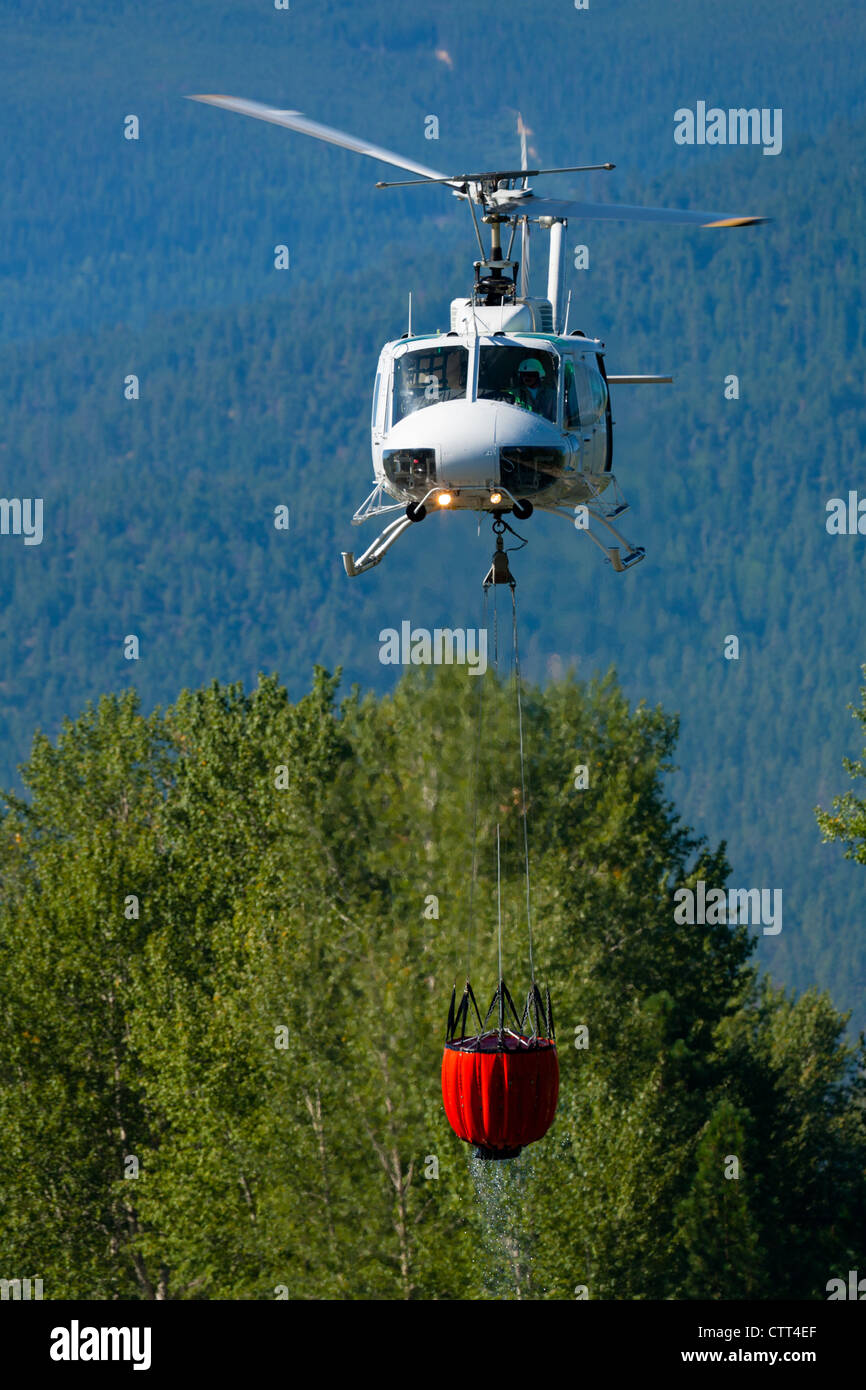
(530,366)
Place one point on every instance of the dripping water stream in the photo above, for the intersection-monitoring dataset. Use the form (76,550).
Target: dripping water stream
(504,1252)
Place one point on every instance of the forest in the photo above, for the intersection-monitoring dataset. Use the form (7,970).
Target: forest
(159,517)
(234,894)
(230,930)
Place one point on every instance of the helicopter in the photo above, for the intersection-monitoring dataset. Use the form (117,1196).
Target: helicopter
(506,411)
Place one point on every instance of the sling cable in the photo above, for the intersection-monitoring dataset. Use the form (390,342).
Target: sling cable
(500,1084)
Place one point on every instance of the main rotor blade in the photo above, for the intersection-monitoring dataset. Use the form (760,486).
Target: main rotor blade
(296,120)
(525,206)
(491,174)
(523,132)
(621,212)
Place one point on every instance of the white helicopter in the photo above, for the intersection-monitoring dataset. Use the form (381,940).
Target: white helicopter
(506,411)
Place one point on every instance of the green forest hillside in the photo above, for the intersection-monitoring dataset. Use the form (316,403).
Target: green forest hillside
(159,518)
(98,229)
(230,931)
(155,257)
(233,905)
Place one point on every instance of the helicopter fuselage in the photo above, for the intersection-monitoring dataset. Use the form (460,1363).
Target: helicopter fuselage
(453,419)
(504,412)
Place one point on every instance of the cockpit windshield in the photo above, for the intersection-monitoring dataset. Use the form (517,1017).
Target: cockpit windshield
(426,376)
(526,377)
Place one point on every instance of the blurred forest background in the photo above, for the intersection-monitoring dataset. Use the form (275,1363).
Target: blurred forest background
(156,257)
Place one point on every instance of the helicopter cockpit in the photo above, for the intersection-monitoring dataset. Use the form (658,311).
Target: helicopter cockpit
(521,377)
(427,376)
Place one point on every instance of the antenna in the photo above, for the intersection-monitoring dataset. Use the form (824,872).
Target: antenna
(567,308)
(409,330)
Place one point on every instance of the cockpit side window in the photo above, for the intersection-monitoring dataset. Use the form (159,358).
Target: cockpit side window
(376,398)
(572,407)
(427,376)
(584,394)
(591,393)
(525,377)
(598,387)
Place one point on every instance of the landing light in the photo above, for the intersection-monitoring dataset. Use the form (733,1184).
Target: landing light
(496,498)
(444,499)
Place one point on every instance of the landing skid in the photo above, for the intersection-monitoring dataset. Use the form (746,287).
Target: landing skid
(376,552)
(373,506)
(633,553)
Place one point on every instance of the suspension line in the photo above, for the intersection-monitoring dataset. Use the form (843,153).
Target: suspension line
(499,899)
(476,776)
(524,808)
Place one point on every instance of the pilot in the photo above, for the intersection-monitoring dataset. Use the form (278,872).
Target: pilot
(532,391)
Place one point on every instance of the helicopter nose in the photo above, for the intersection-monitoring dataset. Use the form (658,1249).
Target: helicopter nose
(473,433)
(467,437)
(463,436)
(468,452)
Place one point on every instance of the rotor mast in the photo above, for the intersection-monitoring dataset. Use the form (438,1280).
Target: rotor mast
(495,238)
(555,267)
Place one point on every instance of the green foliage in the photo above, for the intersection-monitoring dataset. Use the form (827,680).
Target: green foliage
(302,907)
(717,1228)
(847,822)
(285,858)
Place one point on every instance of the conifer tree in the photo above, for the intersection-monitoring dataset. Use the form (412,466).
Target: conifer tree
(717,1229)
